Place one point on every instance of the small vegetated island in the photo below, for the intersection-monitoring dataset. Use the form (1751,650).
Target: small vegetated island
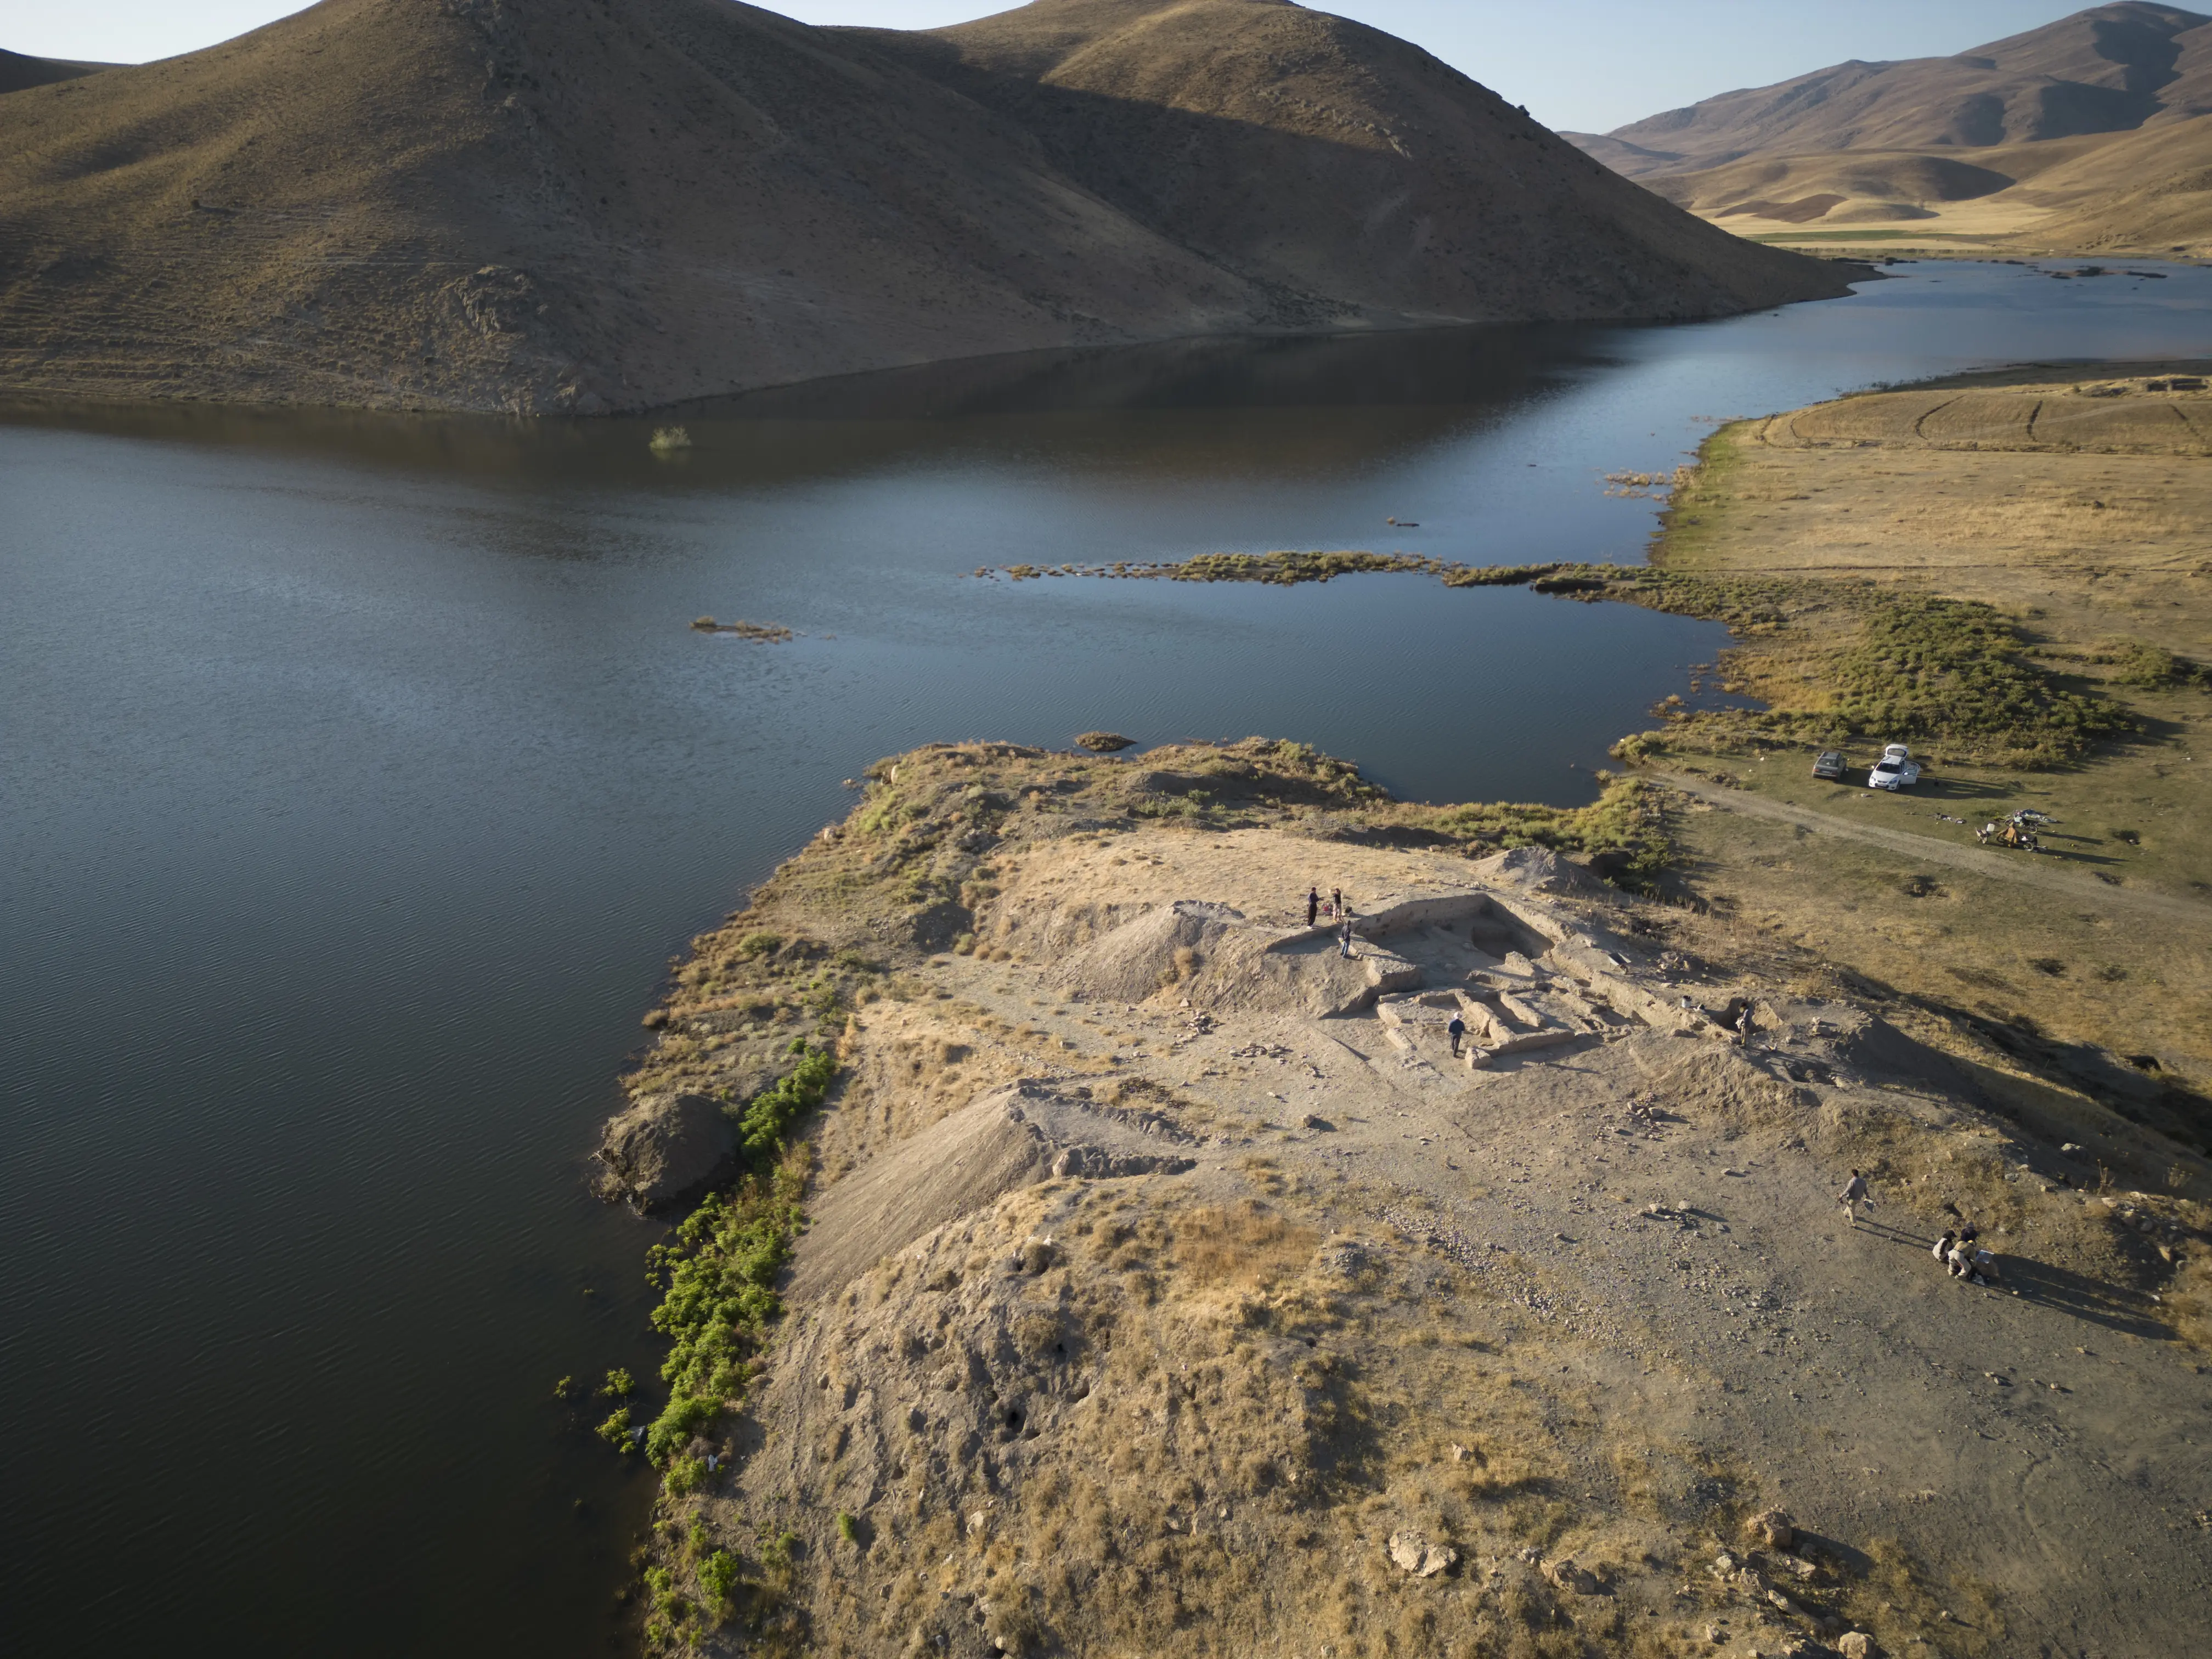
(1082,1246)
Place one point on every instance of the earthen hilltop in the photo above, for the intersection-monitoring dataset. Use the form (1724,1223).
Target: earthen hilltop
(1142,1261)
(590,205)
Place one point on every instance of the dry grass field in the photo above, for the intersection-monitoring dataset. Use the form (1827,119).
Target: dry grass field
(2079,510)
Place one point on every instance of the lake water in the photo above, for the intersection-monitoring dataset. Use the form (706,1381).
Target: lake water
(361,774)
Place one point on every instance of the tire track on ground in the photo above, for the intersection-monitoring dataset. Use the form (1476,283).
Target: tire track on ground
(2024,869)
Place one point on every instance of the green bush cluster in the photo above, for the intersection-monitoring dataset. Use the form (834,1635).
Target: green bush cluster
(1930,667)
(719,1270)
(1626,822)
(769,1117)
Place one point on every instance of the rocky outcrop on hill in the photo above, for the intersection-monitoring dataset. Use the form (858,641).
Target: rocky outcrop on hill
(666,1149)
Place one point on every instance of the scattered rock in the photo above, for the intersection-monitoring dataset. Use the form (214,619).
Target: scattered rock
(1568,1574)
(1105,742)
(1413,1551)
(1857,1644)
(1775,1529)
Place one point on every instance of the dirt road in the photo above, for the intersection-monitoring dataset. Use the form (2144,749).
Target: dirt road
(2023,868)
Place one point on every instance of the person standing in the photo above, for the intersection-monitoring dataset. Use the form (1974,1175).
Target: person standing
(1854,1194)
(1313,904)
(1344,937)
(1336,901)
(1458,1030)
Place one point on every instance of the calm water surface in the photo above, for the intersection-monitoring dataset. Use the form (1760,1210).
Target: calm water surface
(360,775)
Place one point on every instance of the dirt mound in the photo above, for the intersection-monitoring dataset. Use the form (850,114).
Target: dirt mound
(964,1163)
(1212,958)
(575,207)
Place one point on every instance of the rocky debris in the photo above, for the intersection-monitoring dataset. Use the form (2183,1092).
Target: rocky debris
(1096,1163)
(1775,1528)
(1105,742)
(1857,1644)
(666,1149)
(1413,1551)
(1569,1575)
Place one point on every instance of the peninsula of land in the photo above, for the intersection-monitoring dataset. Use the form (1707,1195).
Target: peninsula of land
(1107,1252)
(1098,1230)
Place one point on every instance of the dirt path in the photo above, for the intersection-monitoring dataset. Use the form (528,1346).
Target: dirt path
(2024,869)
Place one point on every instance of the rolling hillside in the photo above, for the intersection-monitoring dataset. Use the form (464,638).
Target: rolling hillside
(583,205)
(2092,132)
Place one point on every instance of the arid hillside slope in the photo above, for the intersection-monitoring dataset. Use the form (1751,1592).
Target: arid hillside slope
(1323,157)
(2090,132)
(2110,69)
(591,205)
(17,71)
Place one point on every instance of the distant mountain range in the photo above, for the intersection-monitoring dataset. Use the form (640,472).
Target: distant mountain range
(581,205)
(2092,132)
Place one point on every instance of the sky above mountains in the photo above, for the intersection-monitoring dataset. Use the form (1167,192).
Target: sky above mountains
(1581,65)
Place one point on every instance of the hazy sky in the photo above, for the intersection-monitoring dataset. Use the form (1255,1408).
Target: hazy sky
(1585,64)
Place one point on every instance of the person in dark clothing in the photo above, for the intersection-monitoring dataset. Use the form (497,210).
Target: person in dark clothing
(1458,1030)
(1336,899)
(1344,937)
(1313,904)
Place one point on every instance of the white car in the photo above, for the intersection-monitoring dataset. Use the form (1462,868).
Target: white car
(1896,769)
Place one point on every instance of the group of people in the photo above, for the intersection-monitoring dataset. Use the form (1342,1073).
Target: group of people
(1334,906)
(1958,1249)
(1963,1258)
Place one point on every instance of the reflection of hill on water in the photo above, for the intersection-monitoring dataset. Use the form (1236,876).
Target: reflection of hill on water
(1179,407)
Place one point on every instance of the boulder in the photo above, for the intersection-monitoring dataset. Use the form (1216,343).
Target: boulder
(1572,1576)
(1774,1527)
(1857,1644)
(1413,1551)
(666,1148)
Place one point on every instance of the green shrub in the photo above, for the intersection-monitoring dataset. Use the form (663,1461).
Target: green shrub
(718,1576)
(719,1270)
(848,1527)
(616,1430)
(619,1384)
(685,1475)
(772,1111)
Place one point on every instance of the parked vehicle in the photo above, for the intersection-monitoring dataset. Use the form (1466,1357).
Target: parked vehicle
(1828,763)
(1896,769)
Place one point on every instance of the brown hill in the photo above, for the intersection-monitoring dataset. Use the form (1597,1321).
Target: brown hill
(1320,157)
(588,204)
(17,71)
(2111,68)
(2092,132)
